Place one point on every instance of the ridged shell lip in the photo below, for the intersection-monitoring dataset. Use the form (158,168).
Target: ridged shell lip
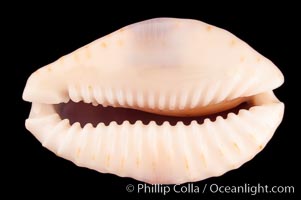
(172,61)
(85,113)
(188,105)
(164,154)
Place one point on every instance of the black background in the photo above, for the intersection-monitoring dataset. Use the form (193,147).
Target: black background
(42,36)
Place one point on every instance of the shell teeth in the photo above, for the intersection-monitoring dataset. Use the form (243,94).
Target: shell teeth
(108,144)
(183,101)
(215,96)
(259,129)
(109,96)
(152,145)
(151,100)
(98,95)
(226,90)
(138,123)
(240,143)
(161,101)
(248,86)
(209,149)
(195,98)
(113,123)
(86,94)
(207,120)
(120,97)
(74,94)
(66,145)
(241,89)
(81,148)
(140,99)
(189,98)
(57,136)
(208,96)
(180,125)
(129,98)
(46,120)
(172,101)
(95,103)
(98,151)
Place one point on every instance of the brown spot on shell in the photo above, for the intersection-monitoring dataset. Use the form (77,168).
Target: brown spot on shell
(203,160)
(153,166)
(177,24)
(233,166)
(209,28)
(108,158)
(236,146)
(88,53)
(78,151)
(120,42)
(233,42)
(260,147)
(104,45)
(76,58)
(186,165)
(258,59)
(242,58)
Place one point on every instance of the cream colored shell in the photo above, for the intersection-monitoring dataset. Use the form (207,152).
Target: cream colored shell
(166,66)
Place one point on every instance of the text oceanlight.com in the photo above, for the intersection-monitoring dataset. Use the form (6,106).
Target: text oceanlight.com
(210,188)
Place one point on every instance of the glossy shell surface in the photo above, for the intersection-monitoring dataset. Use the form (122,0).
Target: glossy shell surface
(166,66)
